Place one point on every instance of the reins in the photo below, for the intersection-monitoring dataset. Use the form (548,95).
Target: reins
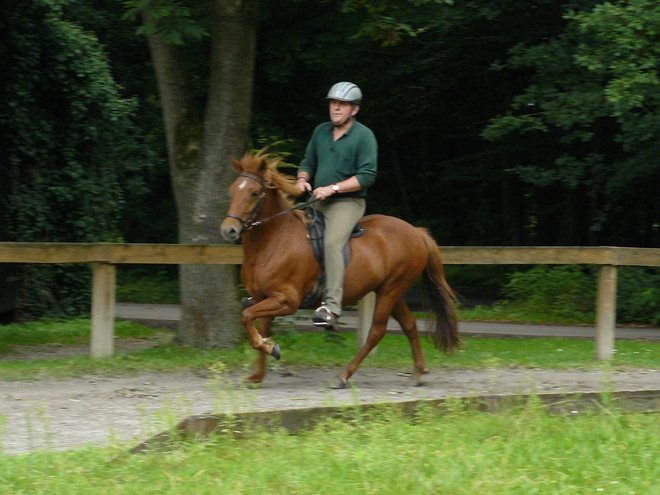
(251,221)
(297,207)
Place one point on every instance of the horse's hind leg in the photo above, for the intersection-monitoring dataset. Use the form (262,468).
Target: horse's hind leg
(376,333)
(402,314)
(260,370)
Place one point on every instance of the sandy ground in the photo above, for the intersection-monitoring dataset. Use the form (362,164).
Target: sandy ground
(70,413)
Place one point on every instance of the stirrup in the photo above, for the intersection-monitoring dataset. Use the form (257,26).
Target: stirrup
(323,317)
(246,302)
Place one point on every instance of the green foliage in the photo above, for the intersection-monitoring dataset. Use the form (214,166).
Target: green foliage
(638,295)
(148,285)
(478,281)
(566,294)
(388,30)
(558,291)
(69,146)
(594,97)
(64,126)
(624,46)
(55,291)
(171,19)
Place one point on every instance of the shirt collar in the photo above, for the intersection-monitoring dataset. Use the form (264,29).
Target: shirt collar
(331,127)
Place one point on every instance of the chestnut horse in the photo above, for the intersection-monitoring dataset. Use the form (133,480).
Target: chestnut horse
(279,267)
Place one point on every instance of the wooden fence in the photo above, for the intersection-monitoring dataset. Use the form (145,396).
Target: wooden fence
(105,257)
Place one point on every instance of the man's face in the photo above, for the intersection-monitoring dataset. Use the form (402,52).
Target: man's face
(341,111)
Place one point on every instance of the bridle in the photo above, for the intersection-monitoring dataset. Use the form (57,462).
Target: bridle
(251,220)
(252,215)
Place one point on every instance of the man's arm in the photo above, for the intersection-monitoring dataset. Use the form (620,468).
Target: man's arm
(351,184)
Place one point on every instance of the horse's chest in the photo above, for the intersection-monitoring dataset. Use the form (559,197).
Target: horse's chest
(270,270)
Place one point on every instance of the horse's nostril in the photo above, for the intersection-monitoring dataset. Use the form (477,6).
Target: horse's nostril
(230,233)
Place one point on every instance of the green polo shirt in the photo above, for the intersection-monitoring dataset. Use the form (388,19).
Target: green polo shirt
(354,154)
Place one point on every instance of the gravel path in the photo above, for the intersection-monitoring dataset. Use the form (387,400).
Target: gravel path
(66,414)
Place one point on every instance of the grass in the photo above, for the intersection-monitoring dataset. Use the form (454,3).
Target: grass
(505,311)
(454,452)
(64,332)
(309,349)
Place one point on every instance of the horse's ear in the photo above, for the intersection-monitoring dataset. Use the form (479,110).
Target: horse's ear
(263,165)
(236,164)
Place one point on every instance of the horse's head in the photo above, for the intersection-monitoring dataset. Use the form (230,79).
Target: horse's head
(247,195)
(259,183)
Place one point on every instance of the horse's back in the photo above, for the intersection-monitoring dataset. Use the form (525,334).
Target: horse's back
(393,231)
(387,223)
(389,249)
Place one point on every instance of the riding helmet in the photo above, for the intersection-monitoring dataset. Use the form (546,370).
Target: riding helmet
(345,91)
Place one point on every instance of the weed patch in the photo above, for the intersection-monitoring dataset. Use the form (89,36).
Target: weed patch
(457,451)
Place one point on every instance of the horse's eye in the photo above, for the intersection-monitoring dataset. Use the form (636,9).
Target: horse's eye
(254,194)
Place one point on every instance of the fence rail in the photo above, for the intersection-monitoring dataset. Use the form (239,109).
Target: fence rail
(104,257)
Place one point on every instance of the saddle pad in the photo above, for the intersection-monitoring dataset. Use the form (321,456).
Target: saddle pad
(316,228)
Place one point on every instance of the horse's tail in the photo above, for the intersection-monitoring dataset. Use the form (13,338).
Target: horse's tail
(444,329)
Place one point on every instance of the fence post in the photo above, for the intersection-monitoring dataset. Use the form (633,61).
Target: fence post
(606,312)
(103,310)
(366,307)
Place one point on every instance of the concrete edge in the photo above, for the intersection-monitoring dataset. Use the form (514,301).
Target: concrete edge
(294,421)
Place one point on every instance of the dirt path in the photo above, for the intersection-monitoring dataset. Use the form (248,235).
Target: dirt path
(69,413)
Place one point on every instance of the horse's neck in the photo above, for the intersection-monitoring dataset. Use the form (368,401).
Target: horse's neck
(274,229)
(273,205)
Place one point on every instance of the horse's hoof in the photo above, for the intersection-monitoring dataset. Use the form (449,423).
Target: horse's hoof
(418,378)
(275,352)
(254,379)
(339,384)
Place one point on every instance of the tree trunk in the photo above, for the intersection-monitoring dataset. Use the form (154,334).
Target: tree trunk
(199,147)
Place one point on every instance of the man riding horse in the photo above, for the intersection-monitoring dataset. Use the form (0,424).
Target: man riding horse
(280,268)
(340,164)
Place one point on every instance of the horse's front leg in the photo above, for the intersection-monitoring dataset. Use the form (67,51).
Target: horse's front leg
(260,369)
(270,307)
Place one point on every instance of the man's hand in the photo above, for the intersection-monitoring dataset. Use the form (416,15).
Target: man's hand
(302,185)
(323,192)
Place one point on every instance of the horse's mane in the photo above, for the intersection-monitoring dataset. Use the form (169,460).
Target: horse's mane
(265,165)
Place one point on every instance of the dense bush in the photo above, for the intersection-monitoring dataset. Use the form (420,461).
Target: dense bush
(69,148)
(570,291)
(564,292)
(638,295)
(148,284)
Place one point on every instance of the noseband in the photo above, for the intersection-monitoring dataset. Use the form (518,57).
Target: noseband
(252,215)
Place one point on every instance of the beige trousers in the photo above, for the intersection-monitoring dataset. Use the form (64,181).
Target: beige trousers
(341,215)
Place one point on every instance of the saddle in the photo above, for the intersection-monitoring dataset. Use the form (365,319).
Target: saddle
(315,230)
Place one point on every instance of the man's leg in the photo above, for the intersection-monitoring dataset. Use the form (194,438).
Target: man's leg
(340,218)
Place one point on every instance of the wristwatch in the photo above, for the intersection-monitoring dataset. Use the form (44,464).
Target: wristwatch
(335,188)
